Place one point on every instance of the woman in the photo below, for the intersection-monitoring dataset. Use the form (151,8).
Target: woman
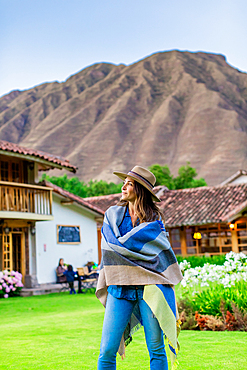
(61,278)
(137,271)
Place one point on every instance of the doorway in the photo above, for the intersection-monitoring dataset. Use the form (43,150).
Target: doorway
(16,252)
(13,251)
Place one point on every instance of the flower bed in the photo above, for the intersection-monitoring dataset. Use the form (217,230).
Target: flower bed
(10,283)
(213,297)
(233,270)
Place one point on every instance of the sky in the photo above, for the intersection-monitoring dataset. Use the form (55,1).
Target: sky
(49,40)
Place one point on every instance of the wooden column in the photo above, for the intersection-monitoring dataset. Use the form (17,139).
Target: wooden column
(99,244)
(235,247)
(183,242)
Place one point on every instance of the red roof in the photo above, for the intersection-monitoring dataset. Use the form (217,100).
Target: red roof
(195,206)
(203,205)
(14,148)
(106,201)
(74,198)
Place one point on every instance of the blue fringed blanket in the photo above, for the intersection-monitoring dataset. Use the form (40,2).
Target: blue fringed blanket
(143,256)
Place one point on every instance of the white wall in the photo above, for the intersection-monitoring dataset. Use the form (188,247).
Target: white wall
(240,180)
(77,255)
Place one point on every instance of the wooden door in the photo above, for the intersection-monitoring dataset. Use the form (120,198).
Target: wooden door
(14,251)
(7,252)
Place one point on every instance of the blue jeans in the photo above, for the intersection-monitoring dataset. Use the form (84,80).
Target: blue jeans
(117,315)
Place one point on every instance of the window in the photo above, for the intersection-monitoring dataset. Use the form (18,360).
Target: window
(190,241)
(10,171)
(15,172)
(215,239)
(4,171)
(209,243)
(241,227)
(175,240)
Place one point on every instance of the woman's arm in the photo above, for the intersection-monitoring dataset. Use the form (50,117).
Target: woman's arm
(60,270)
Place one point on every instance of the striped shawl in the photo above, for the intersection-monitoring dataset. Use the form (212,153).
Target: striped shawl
(143,256)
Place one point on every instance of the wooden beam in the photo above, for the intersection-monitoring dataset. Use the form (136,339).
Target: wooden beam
(18,223)
(31,158)
(23,185)
(99,244)
(23,256)
(67,202)
(183,242)
(235,247)
(99,219)
(25,216)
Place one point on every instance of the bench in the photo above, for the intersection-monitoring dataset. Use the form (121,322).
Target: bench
(88,279)
(64,284)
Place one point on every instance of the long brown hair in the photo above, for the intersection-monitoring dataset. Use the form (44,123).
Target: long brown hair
(145,208)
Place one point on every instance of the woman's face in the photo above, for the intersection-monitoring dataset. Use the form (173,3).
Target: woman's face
(128,192)
(61,262)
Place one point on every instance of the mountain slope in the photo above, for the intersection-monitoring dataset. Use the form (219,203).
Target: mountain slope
(169,108)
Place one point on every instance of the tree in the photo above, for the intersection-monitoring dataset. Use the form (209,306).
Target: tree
(186,178)
(77,187)
(163,175)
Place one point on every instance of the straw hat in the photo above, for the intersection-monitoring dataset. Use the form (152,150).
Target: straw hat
(141,175)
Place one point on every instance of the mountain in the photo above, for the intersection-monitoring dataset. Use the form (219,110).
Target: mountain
(169,108)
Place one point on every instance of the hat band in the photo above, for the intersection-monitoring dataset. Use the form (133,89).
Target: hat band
(134,174)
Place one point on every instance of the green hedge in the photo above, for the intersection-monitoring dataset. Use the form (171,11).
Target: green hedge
(201,260)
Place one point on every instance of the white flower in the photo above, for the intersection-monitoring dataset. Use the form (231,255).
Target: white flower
(184,265)
(233,270)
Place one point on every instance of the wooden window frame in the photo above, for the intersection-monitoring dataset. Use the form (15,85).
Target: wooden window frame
(70,243)
(176,250)
(241,246)
(213,228)
(10,161)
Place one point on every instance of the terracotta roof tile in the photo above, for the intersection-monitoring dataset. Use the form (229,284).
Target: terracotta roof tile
(203,205)
(192,206)
(14,148)
(74,197)
(106,201)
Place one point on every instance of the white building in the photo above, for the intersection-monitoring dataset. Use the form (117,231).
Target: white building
(40,223)
(69,211)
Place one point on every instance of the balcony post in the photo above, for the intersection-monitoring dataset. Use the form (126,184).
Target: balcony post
(50,202)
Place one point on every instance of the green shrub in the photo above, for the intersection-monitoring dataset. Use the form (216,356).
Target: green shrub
(208,300)
(201,260)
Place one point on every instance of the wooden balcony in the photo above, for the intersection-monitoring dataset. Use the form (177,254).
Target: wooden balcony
(25,201)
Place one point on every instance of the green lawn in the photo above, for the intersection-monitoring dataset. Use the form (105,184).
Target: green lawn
(60,331)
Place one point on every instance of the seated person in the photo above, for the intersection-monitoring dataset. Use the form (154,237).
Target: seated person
(61,268)
(70,275)
(91,271)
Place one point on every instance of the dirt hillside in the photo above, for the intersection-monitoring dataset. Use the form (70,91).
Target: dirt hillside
(169,108)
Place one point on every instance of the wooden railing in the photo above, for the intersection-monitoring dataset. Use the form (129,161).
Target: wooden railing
(18,197)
